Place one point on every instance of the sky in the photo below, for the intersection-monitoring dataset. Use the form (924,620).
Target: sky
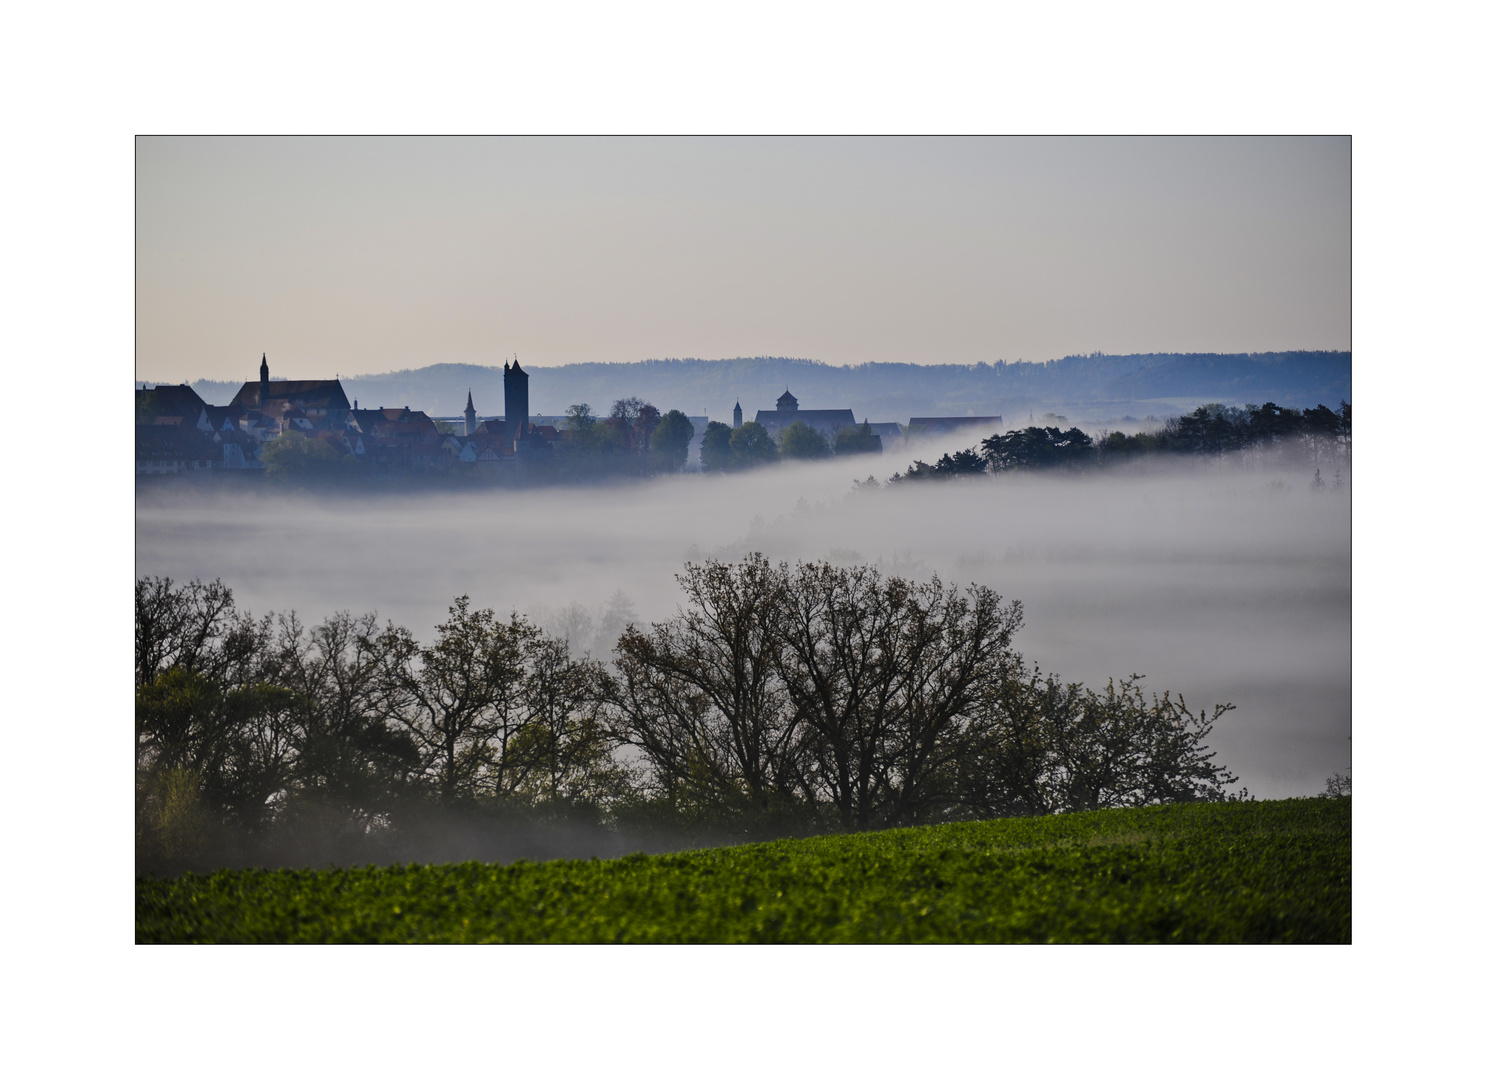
(345,256)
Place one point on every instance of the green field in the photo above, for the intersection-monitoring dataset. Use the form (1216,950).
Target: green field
(1231,872)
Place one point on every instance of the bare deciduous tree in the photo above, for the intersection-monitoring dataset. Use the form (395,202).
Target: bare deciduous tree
(701,695)
(458,698)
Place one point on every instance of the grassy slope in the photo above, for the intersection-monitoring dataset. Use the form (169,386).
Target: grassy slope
(1267,871)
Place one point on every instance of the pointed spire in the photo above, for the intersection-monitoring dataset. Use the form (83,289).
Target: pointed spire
(469,402)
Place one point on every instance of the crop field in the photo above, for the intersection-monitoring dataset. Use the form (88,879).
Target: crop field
(1232,872)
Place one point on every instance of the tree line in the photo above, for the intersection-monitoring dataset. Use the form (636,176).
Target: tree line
(1320,436)
(634,440)
(779,699)
(728,449)
(635,437)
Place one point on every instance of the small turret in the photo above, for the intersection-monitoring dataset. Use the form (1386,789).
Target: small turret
(737,415)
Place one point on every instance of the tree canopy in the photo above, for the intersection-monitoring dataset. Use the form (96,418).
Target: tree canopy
(857,440)
(801,442)
(717,449)
(1318,436)
(294,457)
(670,440)
(1036,447)
(750,446)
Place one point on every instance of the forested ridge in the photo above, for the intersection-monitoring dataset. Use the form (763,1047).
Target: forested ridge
(1319,438)
(780,700)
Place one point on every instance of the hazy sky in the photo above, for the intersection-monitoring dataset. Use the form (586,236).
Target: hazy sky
(357,256)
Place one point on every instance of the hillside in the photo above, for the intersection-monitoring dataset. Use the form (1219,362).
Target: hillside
(1097,385)
(1226,872)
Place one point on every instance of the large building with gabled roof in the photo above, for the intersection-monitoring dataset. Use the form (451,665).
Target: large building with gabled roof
(787,411)
(322,401)
(165,401)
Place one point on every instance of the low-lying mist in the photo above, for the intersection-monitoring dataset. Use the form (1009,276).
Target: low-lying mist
(1215,580)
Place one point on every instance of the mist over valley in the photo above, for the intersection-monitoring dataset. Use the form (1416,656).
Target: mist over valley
(1224,581)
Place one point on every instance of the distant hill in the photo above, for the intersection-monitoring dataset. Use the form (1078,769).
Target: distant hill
(1094,385)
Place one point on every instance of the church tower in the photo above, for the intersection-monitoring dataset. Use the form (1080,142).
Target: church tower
(517,416)
(737,414)
(263,383)
(470,418)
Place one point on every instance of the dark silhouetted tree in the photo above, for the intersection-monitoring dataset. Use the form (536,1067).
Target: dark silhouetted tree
(559,762)
(670,440)
(1038,448)
(1041,746)
(884,675)
(295,458)
(717,452)
(350,764)
(459,698)
(701,694)
(581,418)
(750,445)
(960,463)
(857,440)
(802,442)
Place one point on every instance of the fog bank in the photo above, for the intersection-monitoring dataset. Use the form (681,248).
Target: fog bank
(1221,582)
